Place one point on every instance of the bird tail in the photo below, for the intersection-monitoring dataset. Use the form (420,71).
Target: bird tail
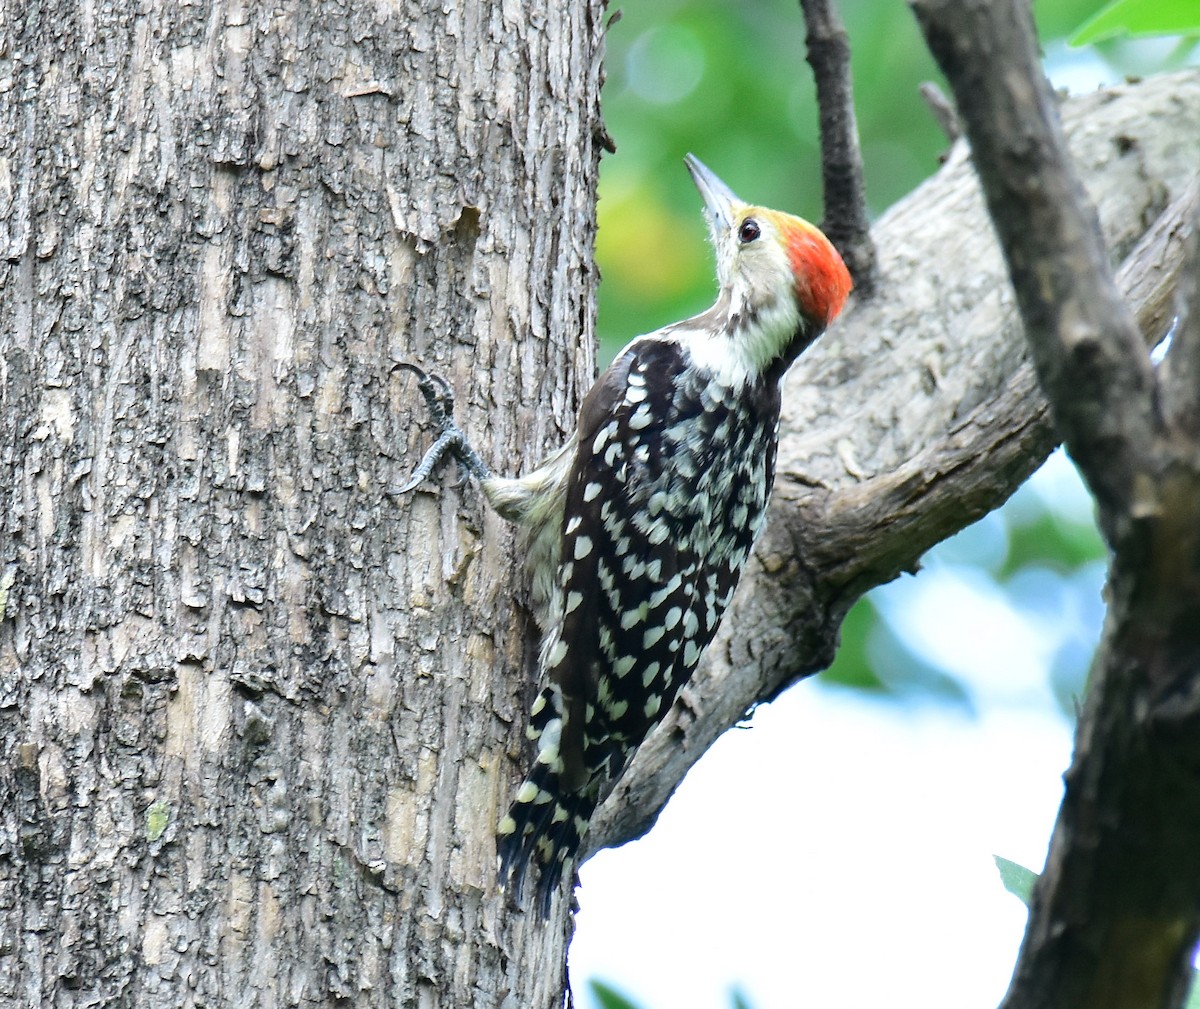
(546,821)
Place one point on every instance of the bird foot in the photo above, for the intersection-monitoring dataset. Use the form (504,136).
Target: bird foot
(439,398)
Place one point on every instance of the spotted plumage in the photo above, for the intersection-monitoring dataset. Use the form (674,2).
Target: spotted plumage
(640,525)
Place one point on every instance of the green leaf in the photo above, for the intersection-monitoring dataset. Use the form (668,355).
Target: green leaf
(609,997)
(1051,541)
(1017,879)
(1139,18)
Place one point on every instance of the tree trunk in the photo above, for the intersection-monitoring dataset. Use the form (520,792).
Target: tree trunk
(257,716)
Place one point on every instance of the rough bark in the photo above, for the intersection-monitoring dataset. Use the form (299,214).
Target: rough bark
(916,414)
(257,716)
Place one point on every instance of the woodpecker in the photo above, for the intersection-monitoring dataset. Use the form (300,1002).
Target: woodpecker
(638,527)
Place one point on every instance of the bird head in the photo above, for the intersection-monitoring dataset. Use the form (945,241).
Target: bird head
(770,262)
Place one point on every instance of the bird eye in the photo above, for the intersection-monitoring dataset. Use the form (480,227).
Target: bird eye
(749,231)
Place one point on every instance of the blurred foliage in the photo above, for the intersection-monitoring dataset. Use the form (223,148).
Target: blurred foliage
(739,1000)
(852,668)
(873,657)
(607,997)
(1134,18)
(1047,537)
(1040,556)
(729,83)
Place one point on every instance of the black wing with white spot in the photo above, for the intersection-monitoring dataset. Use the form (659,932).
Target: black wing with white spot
(628,562)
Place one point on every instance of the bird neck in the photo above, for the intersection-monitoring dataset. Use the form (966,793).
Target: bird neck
(741,342)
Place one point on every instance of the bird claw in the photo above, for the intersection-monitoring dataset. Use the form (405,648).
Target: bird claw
(439,398)
(448,441)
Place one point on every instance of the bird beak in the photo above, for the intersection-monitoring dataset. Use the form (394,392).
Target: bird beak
(719,199)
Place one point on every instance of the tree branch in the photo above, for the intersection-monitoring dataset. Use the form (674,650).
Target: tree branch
(942,109)
(913,416)
(846,223)
(1086,347)
(1180,378)
(1116,913)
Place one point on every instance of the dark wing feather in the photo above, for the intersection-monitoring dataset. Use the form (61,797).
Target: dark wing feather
(617,552)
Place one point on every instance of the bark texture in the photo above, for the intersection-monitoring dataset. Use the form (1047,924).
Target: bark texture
(257,716)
